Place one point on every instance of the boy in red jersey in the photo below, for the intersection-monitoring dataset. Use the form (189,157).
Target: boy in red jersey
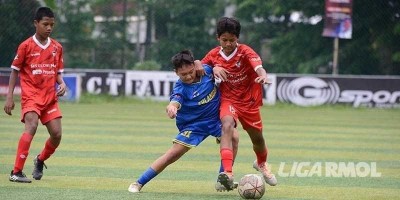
(240,69)
(39,63)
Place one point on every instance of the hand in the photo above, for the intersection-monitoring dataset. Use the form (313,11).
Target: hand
(199,68)
(171,111)
(61,89)
(8,106)
(220,73)
(262,80)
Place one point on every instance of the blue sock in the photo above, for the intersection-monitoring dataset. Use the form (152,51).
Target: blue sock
(147,176)
(221,168)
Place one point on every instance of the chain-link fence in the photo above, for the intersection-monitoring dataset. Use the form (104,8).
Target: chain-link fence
(144,34)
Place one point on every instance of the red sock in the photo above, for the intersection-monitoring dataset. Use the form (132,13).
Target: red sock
(227,159)
(262,156)
(22,151)
(47,151)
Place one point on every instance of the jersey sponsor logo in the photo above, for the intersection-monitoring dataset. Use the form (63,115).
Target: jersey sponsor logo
(34,54)
(256,59)
(236,78)
(45,72)
(209,97)
(37,72)
(43,65)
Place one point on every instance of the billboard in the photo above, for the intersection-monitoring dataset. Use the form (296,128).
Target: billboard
(338,21)
(357,91)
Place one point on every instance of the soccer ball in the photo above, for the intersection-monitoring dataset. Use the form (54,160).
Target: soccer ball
(251,186)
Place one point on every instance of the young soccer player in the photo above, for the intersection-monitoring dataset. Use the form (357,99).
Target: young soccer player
(242,74)
(39,64)
(194,102)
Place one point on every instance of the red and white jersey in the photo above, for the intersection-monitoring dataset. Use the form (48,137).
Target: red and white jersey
(38,67)
(240,88)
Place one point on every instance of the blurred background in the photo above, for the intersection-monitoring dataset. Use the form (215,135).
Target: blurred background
(144,34)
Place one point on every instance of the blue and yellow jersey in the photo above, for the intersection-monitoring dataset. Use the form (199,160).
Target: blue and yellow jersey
(199,105)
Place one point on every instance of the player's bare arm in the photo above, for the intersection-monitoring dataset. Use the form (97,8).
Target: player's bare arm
(220,73)
(61,86)
(199,68)
(172,109)
(262,76)
(9,105)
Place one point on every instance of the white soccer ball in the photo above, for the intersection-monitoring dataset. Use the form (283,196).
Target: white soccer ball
(251,186)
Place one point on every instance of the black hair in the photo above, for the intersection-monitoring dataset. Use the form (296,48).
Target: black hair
(43,12)
(228,25)
(181,58)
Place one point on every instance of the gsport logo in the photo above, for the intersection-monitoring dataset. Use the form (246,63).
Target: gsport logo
(308,91)
(313,91)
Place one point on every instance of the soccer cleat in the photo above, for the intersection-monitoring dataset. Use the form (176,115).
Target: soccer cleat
(220,188)
(19,177)
(268,176)
(38,168)
(135,187)
(226,180)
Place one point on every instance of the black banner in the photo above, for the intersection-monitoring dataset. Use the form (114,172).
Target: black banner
(357,91)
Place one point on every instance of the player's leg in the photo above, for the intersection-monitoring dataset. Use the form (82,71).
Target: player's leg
(52,121)
(169,157)
(235,144)
(227,113)
(252,123)
(31,120)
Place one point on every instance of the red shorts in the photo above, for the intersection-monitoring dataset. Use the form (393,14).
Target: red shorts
(248,117)
(46,114)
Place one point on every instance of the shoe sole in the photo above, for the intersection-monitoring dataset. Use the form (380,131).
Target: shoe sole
(17,181)
(224,180)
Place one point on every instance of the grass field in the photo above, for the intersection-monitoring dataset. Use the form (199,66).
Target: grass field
(107,144)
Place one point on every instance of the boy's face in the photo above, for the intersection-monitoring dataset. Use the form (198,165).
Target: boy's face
(228,42)
(186,73)
(44,27)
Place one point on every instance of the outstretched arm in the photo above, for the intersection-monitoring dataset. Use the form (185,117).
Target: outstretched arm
(262,76)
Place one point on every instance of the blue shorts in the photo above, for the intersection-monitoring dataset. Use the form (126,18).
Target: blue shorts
(192,137)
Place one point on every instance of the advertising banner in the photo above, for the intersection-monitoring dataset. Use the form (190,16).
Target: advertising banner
(104,82)
(338,21)
(382,92)
(73,82)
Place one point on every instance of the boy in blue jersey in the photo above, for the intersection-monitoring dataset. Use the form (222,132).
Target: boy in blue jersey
(194,103)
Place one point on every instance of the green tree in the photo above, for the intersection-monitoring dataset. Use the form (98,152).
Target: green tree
(16,19)
(183,26)
(298,47)
(74,29)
